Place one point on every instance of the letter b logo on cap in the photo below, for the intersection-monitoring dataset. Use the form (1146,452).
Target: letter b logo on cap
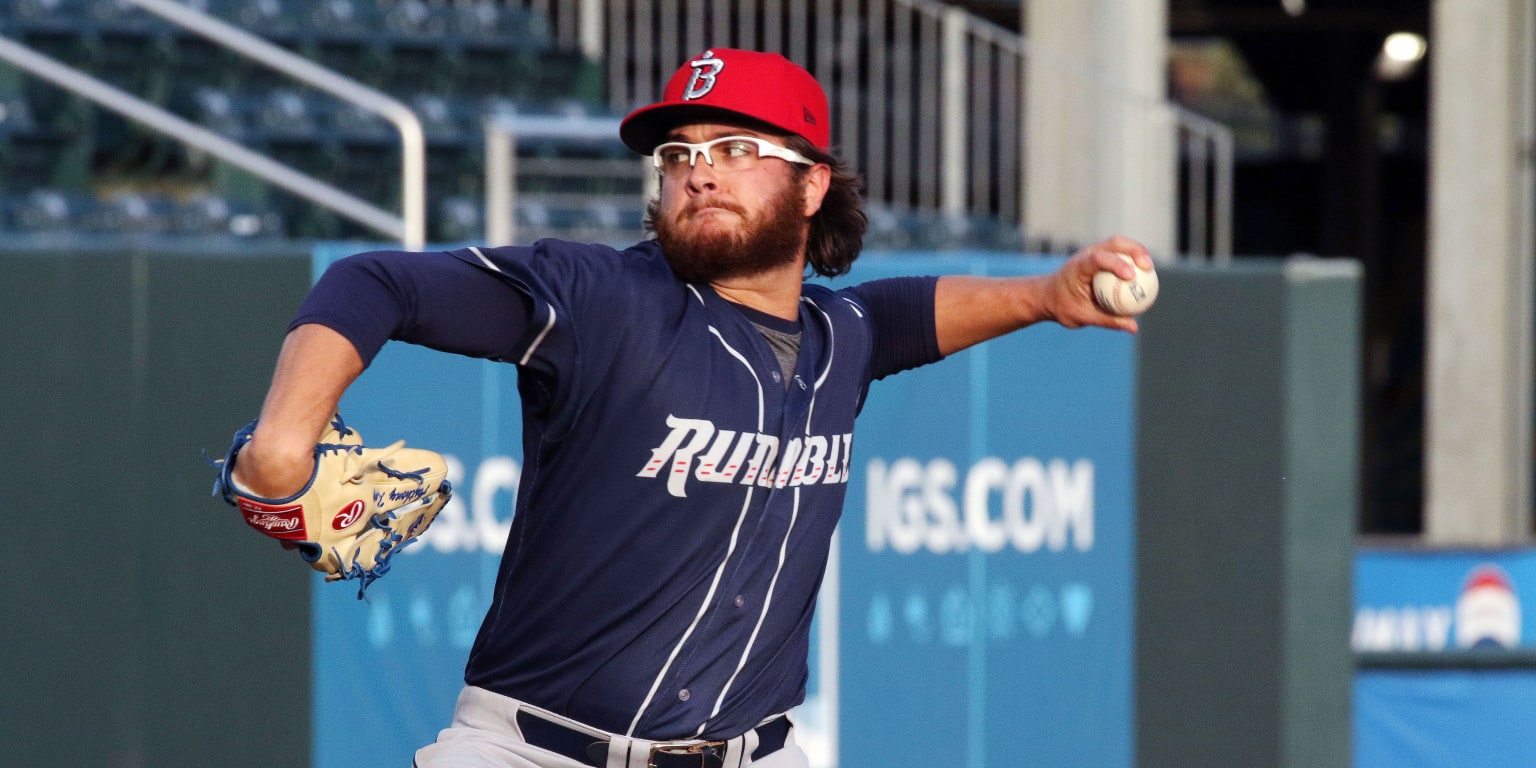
(705,69)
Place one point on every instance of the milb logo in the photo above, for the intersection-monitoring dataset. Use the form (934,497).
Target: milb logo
(1040,504)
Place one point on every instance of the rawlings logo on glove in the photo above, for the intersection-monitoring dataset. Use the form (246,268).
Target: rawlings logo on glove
(361,506)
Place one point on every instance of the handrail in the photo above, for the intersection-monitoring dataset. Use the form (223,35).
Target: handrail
(154,117)
(501,132)
(411,228)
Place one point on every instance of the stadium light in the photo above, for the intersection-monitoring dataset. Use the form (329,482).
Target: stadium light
(1400,55)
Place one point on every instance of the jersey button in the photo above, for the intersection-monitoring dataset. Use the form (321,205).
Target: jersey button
(740,601)
(683,695)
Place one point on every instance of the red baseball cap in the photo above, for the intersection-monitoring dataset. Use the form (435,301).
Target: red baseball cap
(726,84)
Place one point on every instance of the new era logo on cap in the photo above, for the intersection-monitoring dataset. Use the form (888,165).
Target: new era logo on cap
(722,84)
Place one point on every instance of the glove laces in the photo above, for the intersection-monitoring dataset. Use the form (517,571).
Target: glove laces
(353,467)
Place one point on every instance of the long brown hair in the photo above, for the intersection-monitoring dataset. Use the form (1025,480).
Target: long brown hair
(837,229)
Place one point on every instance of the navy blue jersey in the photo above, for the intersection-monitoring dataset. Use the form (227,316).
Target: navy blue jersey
(678,496)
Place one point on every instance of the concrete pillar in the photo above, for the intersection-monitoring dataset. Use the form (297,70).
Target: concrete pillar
(1478,426)
(1098,139)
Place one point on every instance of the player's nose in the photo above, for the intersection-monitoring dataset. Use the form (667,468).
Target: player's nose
(702,174)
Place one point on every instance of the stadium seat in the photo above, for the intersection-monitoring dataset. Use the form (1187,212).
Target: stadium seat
(129,213)
(564,74)
(458,219)
(343,35)
(418,65)
(354,125)
(280,21)
(531,213)
(125,18)
(222,111)
(47,210)
(43,14)
(199,62)
(15,113)
(289,125)
(885,229)
(443,121)
(416,20)
(55,28)
(477,20)
(213,215)
(341,19)
(287,115)
(605,214)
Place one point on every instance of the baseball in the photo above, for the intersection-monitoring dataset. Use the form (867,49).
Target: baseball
(1125,297)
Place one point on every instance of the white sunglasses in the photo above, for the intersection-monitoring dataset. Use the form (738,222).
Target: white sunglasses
(736,153)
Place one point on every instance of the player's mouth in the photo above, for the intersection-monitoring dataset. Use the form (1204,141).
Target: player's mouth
(706,208)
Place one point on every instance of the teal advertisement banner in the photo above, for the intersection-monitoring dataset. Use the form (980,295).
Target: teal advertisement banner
(986,573)
(979,603)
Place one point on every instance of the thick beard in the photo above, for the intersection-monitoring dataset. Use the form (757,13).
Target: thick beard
(771,240)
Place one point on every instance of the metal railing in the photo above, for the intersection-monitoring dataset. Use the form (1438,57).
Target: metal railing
(927,100)
(410,227)
(1208,151)
(501,166)
(155,118)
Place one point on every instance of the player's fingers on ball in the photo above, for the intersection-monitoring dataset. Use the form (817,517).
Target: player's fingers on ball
(1109,260)
(1127,246)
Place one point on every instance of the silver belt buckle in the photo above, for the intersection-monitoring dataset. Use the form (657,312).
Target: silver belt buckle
(703,749)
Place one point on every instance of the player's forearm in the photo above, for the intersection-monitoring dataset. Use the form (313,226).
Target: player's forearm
(970,310)
(314,368)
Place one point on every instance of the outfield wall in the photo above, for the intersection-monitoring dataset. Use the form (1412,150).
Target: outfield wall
(160,631)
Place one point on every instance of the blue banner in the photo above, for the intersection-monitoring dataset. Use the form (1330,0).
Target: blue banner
(983,606)
(1437,601)
(987,571)
(1445,718)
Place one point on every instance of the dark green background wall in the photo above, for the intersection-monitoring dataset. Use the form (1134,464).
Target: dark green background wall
(142,625)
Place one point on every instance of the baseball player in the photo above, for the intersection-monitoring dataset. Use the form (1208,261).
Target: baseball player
(688,410)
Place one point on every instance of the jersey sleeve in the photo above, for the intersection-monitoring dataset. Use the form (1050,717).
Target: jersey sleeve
(901,316)
(420,298)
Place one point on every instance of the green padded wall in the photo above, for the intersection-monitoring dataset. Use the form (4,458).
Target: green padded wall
(1247,457)
(144,625)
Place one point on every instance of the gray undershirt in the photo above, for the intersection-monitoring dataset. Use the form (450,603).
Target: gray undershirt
(785,346)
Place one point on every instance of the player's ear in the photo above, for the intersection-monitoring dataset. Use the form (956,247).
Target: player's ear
(817,180)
